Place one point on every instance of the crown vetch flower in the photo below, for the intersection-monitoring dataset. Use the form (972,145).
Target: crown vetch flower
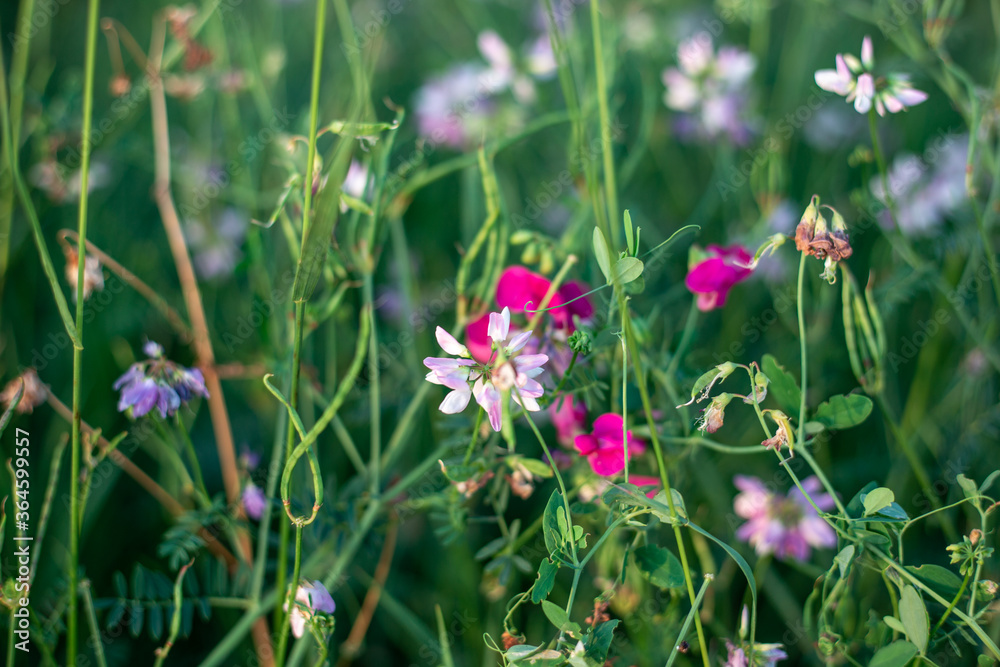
(254,501)
(785,526)
(487,380)
(713,277)
(603,446)
(311,599)
(157,383)
(854,80)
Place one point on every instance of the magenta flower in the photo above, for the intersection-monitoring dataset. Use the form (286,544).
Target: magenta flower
(854,80)
(713,277)
(568,416)
(785,526)
(487,380)
(520,289)
(603,446)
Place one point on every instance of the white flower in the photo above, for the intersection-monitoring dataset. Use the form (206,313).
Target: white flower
(853,79)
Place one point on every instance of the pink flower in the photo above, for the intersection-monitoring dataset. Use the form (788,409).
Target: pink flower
(568,416)
(487,379)
(785,526)
(712,278)
(603,447)
(311,599)
(521,289)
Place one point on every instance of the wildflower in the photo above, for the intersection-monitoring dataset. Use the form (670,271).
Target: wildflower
(522,290)
(456,107)
(784,435)
(510,641)
(93,277)
(356,183)
(568,416)
(487,380)
(216,244)
(254,501)
(711,421)
(157,382)
(62,186)
(34,394)
(522,482)
(603,446)
(854,80)
(764,655)
(311,600)
(711,89)
(925,190)
(713,277)
(785,526)
(813,237)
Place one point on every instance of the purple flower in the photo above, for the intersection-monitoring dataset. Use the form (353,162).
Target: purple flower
(487,380)
(157,382)
(764,655)
(311,599)
(713,277)
(785,526)
(254,501)
(603,446)
(853,79)
(712,89)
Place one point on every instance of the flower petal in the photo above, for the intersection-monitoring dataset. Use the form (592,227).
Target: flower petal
(449,344)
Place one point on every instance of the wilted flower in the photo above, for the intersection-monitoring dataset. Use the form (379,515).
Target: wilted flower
(488,380)
(604,448)
(814,237)
(711,88)
(311,599)
(254,501)
(713,277)
(157,382)
(784,435)
(785,526)
(522,482)
(93,277)
(711,420)
(34,394)
(855,80)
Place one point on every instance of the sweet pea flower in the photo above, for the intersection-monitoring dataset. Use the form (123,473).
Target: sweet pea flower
(503,370)
(603,446)
(713,277)
(568,416)
(785,526)
(854,80)
(311,598)
(157,383)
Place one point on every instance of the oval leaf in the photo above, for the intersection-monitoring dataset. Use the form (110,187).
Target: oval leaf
(913,615)
(659,565)
(626,270)
(842,412)
(896,654)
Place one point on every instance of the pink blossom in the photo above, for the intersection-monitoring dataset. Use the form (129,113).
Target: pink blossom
(568,416)
(521,290)
(603,446)
(712,278)
(785,526)
(855,81)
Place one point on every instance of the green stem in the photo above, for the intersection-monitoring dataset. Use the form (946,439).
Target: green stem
(610,187)
(662,466)
(803,354)
(693,614)
(279,658)
(475,436)
(74,518)
(954,603)
(374,392)
(95,630)
(193,456)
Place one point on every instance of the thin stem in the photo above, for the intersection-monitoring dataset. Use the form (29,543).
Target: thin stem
(803,354)
(954,603)
(610,187)
(97,642)
(74,510)
(290,598)
(693,614)
(475,436)
(664,478)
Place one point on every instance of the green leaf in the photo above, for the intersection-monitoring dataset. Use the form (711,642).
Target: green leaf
(554,526)
(626,270)
(783,385)
(351,129)
(556,614)
(602,254)
(894,624)
(629,235)
(135,619)
(896,654)
(735,555)
(988,481)
(913,615)
(841,412)
(546,580)
(115,616)
(844,558)
(659,566)
(519,655)
(490,548)
(536,467)
(154,626)
(942,580)
(599,641)
(968,486)
(877,499)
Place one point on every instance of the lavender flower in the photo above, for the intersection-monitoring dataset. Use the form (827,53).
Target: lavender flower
(254,501)
(311,599)
(157,383)
(787,527)
(854,79)
(487,381)
(711,89)
(216,245)
(455,108)
(764,655)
